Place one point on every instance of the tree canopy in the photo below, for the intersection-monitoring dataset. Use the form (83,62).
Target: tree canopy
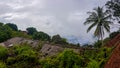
(31,30)
(5,32)
(41,36)
(114,7)
(12,26)
(57,39)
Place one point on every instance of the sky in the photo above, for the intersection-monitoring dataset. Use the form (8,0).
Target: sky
(64,17)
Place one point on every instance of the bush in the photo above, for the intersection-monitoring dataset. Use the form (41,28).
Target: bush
(24,57)
(12,26)
(27,56)
(98,44)
(66,59)
(41,36)
(31,30)
(49,63)
(93,64)
(20,34)
(3,53)
(5,32)
(2,65)
(10,60)
(25,53)
(19,49)
(57,39)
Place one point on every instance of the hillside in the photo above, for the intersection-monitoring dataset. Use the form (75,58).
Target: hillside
(46,49)
(114,60)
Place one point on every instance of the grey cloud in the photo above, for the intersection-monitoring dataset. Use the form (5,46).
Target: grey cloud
(5,9)
(64,17)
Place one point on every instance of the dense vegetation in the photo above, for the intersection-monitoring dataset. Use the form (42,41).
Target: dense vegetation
(10,30)
(24,56)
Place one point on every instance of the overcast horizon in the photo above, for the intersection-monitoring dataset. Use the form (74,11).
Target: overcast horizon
(64,17)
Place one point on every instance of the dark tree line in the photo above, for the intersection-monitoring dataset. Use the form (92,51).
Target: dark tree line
(10,30)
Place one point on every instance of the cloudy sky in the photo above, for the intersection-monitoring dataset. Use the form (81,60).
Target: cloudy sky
(64,17)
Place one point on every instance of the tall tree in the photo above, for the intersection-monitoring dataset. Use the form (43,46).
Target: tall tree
(99,19)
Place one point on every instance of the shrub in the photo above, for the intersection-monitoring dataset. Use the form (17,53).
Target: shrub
(3,53)
(10,60)
(57,39)
(19,49)
(20,34)
(93,64)
(69,59)
(25,53)
(49,63)
(2,65)
(25,57)
(98,44)
(41,36)
(66,59)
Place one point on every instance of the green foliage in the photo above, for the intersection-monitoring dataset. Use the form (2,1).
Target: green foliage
(31,30)
(98,44)
(66,59)
(114,8)
(58,40)
(12,26)
(20,34)
(96,58)
(2,65)
(10,60)
(106,40)
(93,64)
(3,53)
(23,57)
(113,34)
(41,36)
(104,53)
(49,63)
(25,53)
(5,32)
(69,59)
(99,19)
(89,54)
(40,45)
(64,40)
(18,49)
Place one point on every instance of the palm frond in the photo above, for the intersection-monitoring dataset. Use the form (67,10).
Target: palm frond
(107,17)
(101,20)
(96,33)
(91,26)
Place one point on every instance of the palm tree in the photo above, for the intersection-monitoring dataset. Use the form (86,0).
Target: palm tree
(99,19)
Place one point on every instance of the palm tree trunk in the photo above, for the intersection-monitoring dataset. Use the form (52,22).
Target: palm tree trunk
(102,33)
(102,40)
